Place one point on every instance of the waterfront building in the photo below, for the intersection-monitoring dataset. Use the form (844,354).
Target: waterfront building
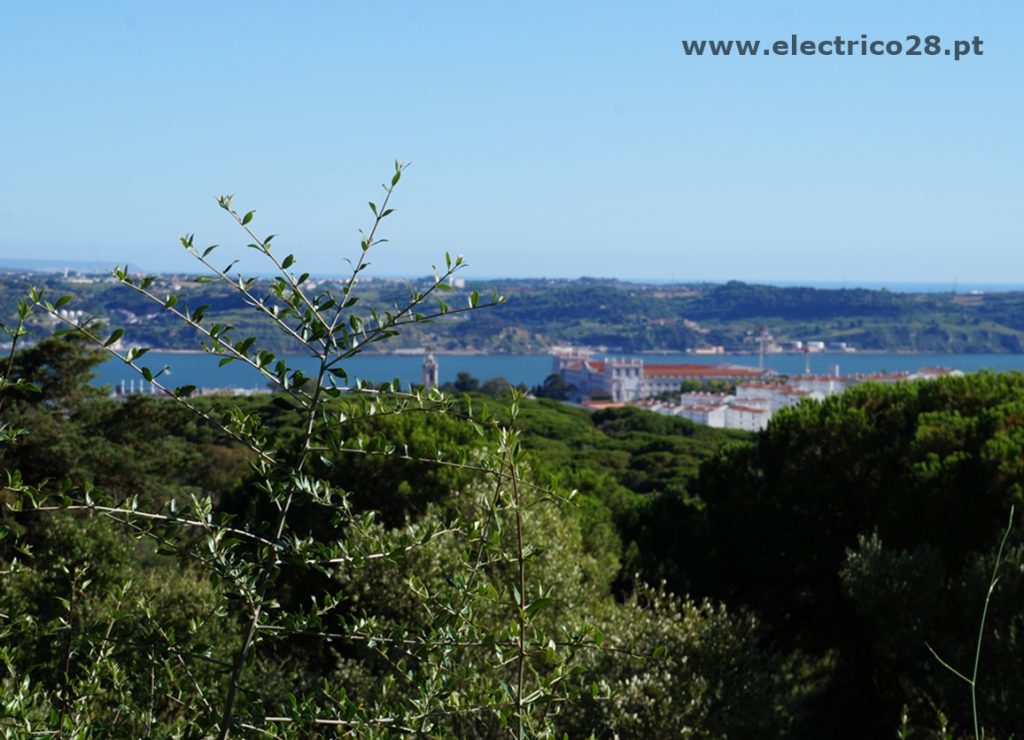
(620,381)
(625,380)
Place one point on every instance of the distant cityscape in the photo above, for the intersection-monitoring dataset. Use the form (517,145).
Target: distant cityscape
(757,394)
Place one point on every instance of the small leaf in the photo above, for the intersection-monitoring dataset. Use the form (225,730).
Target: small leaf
(247,218)
(536,606)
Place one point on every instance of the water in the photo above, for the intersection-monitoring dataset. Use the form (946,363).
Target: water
(201,370)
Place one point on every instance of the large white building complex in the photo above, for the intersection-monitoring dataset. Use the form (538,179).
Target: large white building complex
(624,380)
(618,381)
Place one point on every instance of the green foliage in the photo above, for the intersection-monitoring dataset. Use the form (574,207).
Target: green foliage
(60,368)
(555,388)
(798,520)
(325,559)
(711,677)
(96,627)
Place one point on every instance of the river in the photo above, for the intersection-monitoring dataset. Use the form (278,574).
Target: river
(201,370)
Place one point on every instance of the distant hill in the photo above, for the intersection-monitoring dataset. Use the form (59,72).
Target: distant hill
(620,316)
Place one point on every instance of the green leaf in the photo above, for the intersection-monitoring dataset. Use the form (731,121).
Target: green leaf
(62,301)
(243,347)
(114,336)
(135,353)
(537,605)
(247,218)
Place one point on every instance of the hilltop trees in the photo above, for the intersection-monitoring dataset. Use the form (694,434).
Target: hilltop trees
(863,525)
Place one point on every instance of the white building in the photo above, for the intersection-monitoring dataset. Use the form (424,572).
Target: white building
(756,400)
(776,395)
(749,418)
(629,379)
(826,385)
(719,410)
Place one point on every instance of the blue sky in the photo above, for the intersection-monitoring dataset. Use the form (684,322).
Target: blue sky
(546,139)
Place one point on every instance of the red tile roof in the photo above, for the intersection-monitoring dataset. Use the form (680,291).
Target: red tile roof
(602,405)
(697,370)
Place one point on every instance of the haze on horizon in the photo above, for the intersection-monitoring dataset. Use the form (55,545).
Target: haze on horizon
(554,141)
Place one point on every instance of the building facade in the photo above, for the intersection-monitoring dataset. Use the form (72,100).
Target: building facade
(624,380)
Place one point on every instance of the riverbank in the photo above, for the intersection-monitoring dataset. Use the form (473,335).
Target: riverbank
(200,369)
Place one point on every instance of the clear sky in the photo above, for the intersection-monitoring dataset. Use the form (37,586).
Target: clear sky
(546,139)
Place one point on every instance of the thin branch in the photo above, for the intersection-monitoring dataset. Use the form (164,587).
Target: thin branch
(231,351)
(168,518)
(269,561)
(15,335)
(981,627)
(251,299)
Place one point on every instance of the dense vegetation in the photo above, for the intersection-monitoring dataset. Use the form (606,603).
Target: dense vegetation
(83,591)
(853,534)
(624,316)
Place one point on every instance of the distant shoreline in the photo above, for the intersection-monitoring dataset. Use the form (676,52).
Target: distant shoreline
(609,353)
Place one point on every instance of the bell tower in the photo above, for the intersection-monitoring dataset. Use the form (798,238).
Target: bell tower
(430,372)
